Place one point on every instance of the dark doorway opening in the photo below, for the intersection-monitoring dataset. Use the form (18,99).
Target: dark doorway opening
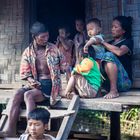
(55,13)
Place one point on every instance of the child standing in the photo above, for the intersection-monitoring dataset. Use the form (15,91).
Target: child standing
(65,46)
(37,124)
(86,77)
(80,37)
(94,32)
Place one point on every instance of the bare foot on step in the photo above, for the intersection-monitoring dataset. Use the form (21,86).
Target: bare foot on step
(112,94)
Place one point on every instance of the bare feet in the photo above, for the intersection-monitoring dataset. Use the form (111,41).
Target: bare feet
(112,94)
(69,95)
(54,102)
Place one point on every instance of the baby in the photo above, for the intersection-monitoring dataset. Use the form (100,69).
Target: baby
(94,32)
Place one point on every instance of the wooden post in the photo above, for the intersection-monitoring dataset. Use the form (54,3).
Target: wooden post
(115,126)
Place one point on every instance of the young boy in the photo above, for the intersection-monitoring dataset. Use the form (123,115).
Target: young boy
(65,45)
(94,32)
(86,77)
(80,37)
(37,124)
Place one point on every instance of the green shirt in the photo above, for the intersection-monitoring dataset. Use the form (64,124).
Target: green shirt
(89,69)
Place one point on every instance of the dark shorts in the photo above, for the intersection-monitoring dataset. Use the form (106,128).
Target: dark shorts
(46,87)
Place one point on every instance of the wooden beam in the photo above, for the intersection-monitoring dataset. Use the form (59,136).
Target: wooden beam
(90,137)
(10,139)
(67,122)
(3,121)
(131,98)
(121,7)
(115,133)
(93,104)
(54,113)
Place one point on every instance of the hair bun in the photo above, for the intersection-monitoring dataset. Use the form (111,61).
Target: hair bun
(130,19)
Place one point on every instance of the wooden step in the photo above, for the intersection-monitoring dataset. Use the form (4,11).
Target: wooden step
(54,113)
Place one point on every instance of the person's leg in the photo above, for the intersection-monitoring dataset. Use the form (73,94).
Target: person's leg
(70,87)
(68,75)
(85,90)
(31,97)
(14,110)
(112,73)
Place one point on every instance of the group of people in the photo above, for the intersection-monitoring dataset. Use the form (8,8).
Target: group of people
(89,61)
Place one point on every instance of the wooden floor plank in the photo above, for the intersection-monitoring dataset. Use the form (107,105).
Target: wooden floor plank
(131,98)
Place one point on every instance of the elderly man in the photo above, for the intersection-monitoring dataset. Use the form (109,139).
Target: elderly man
(40,66)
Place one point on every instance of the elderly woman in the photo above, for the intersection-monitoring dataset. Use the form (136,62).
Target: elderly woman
(116,62)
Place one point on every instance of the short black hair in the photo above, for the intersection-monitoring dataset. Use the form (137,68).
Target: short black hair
(39,114)
(94,20)
(80,19)
(38,28)
(82,53)
(65,27)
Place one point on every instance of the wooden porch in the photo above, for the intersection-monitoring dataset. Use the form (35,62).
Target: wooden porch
(126,101)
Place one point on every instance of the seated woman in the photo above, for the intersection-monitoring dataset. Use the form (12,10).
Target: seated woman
(86,76)
(117,60)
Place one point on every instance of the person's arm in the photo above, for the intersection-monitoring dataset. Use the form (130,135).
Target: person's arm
(62,61)
(58,41)
(26,72)
(25,69)
(55,65)
(116,50)
(92,41)
(75,40)
(85,66)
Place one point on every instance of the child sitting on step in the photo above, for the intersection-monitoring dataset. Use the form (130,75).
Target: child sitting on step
(86,76)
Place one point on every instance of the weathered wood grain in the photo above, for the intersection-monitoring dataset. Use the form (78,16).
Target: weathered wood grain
(131,98)
(67,122)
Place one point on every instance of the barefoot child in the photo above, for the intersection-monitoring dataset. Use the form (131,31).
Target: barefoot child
(65,46)
(37,124)
(94,32)
(86,77)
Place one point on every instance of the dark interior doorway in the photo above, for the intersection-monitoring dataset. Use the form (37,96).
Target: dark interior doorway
(55,13)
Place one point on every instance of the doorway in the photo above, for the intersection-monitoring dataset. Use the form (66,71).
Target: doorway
(54,13)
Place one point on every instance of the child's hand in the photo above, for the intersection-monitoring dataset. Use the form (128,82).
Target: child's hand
(72,73)
(85,49)
(98,40)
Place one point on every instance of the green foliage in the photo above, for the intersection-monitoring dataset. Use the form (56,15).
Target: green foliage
(130,122)
(98,122)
